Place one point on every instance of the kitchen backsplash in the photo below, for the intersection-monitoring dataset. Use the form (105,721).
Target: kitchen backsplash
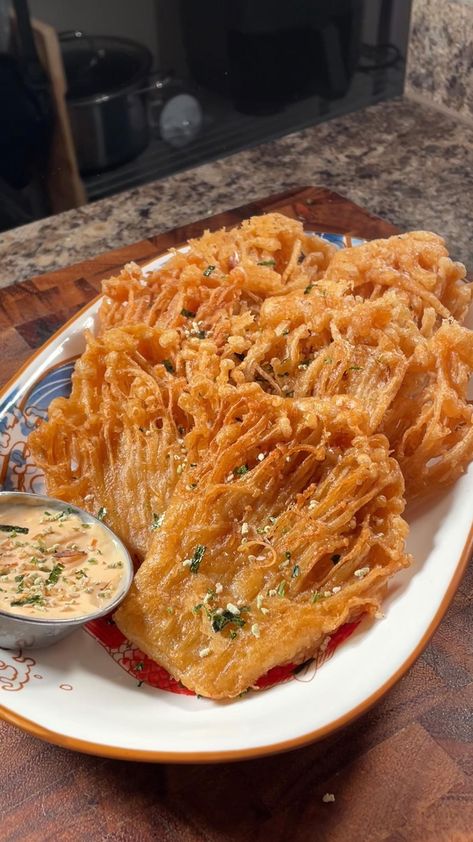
(440,58)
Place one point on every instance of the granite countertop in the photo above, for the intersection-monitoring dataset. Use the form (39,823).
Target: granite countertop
(400,159)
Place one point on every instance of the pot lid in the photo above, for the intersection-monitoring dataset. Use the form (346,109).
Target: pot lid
(97,65)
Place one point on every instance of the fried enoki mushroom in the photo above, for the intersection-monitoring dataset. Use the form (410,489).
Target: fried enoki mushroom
(292,527)
(221,274)
(416,264)
(413,386)
(237,418)
(117,442)
(431,420)
(322,344)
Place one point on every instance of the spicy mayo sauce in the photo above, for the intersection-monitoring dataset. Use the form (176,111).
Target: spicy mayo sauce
(54,565)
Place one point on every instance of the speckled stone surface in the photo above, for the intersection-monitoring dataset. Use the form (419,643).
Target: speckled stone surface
(440,59)
(400,159)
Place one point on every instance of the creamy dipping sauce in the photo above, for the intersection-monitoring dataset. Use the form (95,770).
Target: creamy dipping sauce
(54,565)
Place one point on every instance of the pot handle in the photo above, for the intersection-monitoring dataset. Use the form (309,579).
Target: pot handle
(74,35)
(155,99)
(158,85)
(70,34)
(77,35)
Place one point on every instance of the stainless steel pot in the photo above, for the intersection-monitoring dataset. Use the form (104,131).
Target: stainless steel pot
(107,86)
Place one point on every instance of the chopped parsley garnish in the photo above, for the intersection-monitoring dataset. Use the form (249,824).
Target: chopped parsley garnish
(335,558)
(316,596)
(296,571)
(168,366)
(197,558)
(157,521)
(42,548)
(139,666)
(36,599)
(355,368)
(281,589)
(207,272)
(201,334)
(270,262)
(287,555)
(60,515)
(6,527)
(308,289)
(55,574)
(242,469)
(102,513)
(197,608)
(188,314)
(219,621)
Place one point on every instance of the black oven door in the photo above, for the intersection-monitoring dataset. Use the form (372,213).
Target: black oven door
(267,53)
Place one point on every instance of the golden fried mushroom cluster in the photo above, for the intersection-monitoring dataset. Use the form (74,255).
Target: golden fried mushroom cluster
(251,416)
(293,525)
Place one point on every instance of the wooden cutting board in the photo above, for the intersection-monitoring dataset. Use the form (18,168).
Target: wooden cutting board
(402,773)
(31,311)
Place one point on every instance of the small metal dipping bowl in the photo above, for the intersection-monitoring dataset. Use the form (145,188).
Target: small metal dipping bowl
(20,632)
